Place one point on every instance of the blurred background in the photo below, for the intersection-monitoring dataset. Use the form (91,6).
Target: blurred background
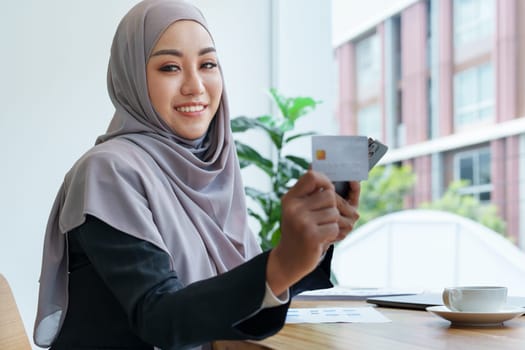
(440,82)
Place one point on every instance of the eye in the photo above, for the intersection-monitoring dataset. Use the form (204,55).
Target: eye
(170,68)
(209,65)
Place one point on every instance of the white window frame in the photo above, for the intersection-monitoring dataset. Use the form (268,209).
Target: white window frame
(479,106)
(478,26)
(368,66)
(473,189)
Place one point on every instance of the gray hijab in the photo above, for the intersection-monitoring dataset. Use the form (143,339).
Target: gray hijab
(184,196)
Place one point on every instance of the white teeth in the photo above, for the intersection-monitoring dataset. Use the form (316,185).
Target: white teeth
(190,109)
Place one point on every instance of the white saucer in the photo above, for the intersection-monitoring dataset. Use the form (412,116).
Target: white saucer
(477,318)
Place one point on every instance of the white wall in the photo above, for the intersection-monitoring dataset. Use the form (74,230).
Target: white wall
(54,102)
(305,63)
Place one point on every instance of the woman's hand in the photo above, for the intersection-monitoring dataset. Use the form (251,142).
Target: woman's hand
(313,217)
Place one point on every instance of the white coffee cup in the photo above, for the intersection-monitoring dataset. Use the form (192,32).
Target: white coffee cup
(475,299)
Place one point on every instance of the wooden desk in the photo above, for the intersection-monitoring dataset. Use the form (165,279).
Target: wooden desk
(409,330)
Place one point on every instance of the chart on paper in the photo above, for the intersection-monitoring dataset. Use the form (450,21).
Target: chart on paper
(335,314)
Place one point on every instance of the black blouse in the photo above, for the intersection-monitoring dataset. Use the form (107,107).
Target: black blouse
(123,295)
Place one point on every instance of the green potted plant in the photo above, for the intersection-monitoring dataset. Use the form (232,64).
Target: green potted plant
(282,170)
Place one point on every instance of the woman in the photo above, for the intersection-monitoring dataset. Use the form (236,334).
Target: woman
(147,244)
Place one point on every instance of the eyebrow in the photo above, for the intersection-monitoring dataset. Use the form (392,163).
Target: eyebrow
(178,53)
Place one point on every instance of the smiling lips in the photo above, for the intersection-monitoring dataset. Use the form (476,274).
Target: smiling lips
(190,108)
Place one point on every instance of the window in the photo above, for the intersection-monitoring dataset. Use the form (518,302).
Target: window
(368,66)
(473,20)
(474,167)
(369,121)
(474,95)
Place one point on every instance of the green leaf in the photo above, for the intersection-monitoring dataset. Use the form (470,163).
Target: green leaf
(294,107)
(256,216)
(275,213)
(289,169)
(286,125)
(243,163)
(266,200)
(286,169)
(248,154)
(271,126)
(296,136)
(276,237)
(303,163)
(300,106)
(267,120)
(242,123)
(280,101)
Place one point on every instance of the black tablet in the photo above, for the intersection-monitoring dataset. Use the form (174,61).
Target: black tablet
(422,301)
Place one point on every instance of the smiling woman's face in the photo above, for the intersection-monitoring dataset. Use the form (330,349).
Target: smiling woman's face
(184,81)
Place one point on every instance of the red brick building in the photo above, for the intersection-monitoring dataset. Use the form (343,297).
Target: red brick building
(442,82)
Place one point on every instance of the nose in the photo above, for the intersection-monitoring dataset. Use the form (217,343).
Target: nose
(192,84)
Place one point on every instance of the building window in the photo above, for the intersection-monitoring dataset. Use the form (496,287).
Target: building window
(474,167)
(368,67)
(369,121)
(473,20)
(474,95)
